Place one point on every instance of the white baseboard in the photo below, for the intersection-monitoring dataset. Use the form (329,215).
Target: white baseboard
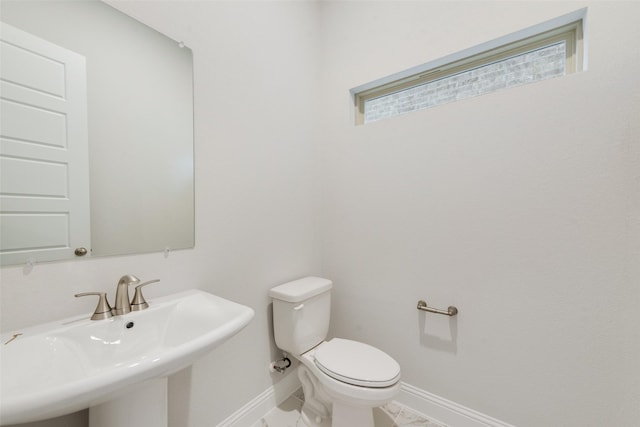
(444,411)
(433,407)
(254,410)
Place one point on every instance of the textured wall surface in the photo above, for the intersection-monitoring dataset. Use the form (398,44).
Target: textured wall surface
(520,207)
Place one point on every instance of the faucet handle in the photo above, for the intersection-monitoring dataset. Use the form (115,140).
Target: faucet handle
(103,309)
(139,303)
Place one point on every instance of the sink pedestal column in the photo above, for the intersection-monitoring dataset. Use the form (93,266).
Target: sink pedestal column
(143,405)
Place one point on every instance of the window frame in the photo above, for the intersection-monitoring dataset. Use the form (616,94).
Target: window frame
(572,34)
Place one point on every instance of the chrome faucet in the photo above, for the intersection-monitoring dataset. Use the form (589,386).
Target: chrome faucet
(123,304)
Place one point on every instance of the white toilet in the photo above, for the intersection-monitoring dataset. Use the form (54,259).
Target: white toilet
(342,380)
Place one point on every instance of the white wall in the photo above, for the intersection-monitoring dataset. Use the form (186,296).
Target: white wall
(255,200)
(518,207)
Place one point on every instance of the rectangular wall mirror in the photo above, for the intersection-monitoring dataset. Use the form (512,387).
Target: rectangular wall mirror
(96,134)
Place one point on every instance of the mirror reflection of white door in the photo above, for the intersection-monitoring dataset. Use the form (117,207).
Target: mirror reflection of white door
(44,170)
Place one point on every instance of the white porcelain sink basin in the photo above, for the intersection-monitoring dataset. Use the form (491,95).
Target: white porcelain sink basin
(65,366)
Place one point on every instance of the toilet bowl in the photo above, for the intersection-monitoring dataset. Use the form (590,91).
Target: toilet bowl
(342,380)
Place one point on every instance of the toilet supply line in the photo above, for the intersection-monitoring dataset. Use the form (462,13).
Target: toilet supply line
(280,365)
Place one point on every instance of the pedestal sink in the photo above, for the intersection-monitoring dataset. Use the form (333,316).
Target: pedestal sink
(65,366)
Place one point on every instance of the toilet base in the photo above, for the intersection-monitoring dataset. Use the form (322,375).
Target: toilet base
(318,409)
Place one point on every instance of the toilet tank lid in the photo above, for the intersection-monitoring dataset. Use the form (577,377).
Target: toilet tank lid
(301,289)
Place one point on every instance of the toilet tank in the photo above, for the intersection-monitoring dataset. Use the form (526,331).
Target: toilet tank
(301,313)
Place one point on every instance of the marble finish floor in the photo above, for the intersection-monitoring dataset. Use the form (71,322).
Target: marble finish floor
(393,414)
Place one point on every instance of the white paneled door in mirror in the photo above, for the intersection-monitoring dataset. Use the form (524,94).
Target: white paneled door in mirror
(44,172)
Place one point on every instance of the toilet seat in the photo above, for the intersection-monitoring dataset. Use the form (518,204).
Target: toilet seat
(356,363)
